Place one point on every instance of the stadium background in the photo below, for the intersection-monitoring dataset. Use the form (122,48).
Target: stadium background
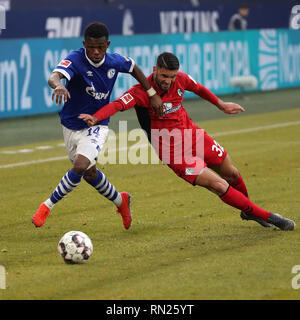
(197,32)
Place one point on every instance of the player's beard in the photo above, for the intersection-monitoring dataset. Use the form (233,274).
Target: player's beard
(160,84)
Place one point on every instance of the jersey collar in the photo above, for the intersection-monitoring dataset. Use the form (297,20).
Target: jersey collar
(97,65)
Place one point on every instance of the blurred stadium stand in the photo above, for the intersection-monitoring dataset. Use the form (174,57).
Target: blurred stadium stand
(56,18)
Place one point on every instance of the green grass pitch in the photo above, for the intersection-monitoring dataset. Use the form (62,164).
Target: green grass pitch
(184,242)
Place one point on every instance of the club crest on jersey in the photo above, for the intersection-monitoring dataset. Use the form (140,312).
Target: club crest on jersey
(65,63)
(127,98)
(111,73)
(180,92)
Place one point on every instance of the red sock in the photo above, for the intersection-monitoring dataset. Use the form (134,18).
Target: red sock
(239,185)
(237,200)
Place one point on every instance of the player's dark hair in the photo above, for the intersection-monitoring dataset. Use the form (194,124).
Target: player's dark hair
(168,61)
(244,6)
(96,30)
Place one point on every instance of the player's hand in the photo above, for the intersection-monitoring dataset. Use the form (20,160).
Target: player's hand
(156,105)
(88,119)
(60,94)
(230,107)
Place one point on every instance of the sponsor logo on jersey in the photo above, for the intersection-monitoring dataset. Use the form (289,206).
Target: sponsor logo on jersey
(127,98)
(111,73)
(97,95)
(65,63)
(168,107)
(89,73)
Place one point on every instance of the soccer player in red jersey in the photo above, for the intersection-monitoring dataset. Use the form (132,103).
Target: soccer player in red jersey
(207,165)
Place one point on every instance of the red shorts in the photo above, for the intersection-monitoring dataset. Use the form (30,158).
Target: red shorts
(202,151)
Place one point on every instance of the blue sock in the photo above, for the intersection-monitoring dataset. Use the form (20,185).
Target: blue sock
(68,182)
(106,189)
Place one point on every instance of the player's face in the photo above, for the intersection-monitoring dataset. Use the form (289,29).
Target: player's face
(164,78)
(244,12)
(96,48)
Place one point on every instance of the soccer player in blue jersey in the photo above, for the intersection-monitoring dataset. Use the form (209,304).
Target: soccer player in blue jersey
(90,74)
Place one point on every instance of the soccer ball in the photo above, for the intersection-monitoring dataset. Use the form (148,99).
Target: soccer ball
(75,247)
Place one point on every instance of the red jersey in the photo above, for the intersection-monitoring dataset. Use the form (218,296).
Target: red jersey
(199,148)
(174,115)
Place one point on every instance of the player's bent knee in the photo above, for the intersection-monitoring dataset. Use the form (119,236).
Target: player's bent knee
(212,182)
(81,164)
(219,187)
(78,169)
(234,174)
(91,174)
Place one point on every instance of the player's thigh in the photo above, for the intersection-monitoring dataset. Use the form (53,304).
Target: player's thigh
(214,153)
(71,142)
(91,141)
(226,169)
(188,169)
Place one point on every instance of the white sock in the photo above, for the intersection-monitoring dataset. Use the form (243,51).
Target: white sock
(118,200)
(49,204)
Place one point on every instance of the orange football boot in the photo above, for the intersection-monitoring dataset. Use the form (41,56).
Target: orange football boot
(124,210)
(40,216)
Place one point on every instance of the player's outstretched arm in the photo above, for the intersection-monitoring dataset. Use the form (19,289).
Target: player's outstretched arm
(103,113)
(203,92)
(60,91)
(229,107)
(89,119)
(155,100)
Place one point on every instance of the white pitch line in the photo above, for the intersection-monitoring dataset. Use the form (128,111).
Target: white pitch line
(44,147)
(271,126)
(217,134)
(20,164)
(30,150)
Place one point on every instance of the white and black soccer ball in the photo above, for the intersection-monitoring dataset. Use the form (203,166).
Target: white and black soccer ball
(75,247)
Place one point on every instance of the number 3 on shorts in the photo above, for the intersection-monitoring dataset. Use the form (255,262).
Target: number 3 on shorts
(218,148)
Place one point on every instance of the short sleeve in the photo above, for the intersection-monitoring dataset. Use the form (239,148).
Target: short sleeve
(124,64)
(66,66)
(135,96)
(192,85)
